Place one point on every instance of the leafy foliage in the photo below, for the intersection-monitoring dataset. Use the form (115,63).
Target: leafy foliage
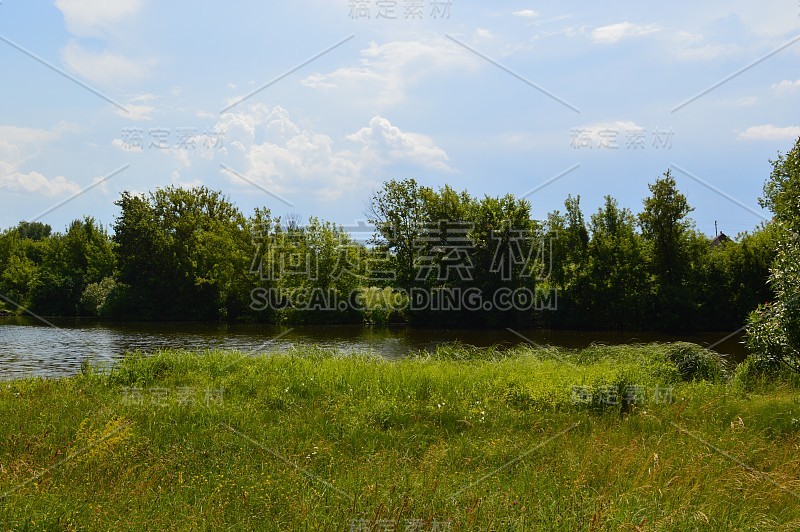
(774,332)
(183,253)
(190,254)
(49,272)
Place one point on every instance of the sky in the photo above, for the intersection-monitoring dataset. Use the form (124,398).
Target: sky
(306,107)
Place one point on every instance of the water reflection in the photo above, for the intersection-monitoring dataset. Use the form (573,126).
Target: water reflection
(31,348)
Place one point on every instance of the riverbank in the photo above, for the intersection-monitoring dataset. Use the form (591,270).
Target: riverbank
(653,437)
(33,348)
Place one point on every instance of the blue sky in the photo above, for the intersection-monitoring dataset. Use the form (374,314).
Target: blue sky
(497,98)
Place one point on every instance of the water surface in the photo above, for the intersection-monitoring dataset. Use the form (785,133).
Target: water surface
(29,347)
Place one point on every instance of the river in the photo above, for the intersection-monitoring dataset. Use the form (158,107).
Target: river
(31,347)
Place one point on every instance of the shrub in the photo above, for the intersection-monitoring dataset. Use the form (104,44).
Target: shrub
(696,363)
(96,294)
(774,329)
(382,305)
(758,371)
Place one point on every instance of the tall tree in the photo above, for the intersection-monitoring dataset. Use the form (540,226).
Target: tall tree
(34,230)
(667,230)
(774,331)
(397,212)
(184,253)
(570,265)
(81,256)
(617,276)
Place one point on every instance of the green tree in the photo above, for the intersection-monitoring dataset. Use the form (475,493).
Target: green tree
(183,254)
(509,252)
(397,212)
(616,268)
(733,279)
(23,250)
(34,230)
(48,272)
(449,244)
(317,266)
(18,279)
(570,256)
(774,329)
(75,259)
(672,248)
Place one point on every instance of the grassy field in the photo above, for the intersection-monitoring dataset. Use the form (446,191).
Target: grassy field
(653,437)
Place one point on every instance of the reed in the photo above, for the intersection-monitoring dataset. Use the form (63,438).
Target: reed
(459,439)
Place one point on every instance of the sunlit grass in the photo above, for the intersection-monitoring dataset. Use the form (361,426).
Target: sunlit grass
(480,439)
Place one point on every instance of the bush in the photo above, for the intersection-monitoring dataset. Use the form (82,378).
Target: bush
(766,337)
(757,371)
(774,330)
(95,296)
(696,363)
(382,305)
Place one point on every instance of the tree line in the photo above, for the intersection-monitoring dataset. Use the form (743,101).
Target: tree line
(191,254)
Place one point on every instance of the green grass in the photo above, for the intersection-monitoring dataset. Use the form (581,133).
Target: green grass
(473,439)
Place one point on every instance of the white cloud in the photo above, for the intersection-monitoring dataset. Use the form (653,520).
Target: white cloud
(136,113)
(138,109)
(384,143)
(566,31)
(124,145)
(745,101)
(34,182)
(689,46)
(387,70)
(770,132)
(616,32)
(101,182)
(482,34)
(625,125)
(268,148)
(96,18)
(146,97)
(706,52)
(178,181)
(181,156)
(527,13)
(19,145)
(787,85)
(104,68)
(272,151)
(777,21)
(103,21)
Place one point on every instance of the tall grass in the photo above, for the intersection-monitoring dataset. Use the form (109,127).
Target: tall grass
(459,439)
